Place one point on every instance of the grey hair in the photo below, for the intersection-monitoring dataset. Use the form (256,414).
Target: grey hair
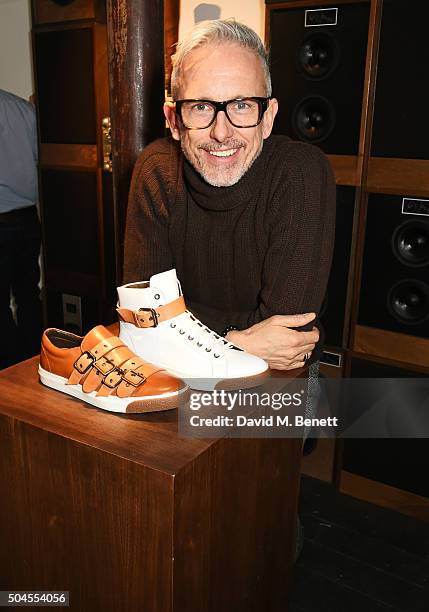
(218,30)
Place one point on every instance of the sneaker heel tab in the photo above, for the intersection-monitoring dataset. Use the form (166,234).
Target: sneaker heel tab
(44,359)
(51,336)
(137,285)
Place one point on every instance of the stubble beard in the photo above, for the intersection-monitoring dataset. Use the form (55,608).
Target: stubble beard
(222,177)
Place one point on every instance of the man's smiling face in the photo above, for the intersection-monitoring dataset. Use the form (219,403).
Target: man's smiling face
(222,153)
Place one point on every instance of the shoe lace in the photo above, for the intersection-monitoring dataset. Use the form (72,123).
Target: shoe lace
(204,337)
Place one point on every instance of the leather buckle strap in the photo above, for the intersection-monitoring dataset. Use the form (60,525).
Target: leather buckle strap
(140,321)
(105,346)
(114,378)
(95,355)
(104,366)
(134,378)
(84,362)
(156,315)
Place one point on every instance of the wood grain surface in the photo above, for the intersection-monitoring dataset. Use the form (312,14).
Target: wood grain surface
(385,495)
(391,345)
(68,156)
(151,440)
(399,176)
(235,511)
(128,515)
(77,519)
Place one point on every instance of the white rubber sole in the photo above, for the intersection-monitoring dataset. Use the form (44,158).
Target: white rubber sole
(152,403)
(228,384)
(197,383)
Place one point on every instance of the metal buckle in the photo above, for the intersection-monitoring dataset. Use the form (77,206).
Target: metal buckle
(154,316)
(101,364)
(113,379)
(81,367)
(130,376)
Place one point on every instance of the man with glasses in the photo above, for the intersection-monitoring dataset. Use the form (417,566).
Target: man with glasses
(246,218)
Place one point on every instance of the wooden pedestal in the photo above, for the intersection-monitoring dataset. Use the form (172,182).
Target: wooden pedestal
(129,516)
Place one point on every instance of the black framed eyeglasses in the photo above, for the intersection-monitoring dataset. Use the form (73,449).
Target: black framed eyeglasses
(241,112)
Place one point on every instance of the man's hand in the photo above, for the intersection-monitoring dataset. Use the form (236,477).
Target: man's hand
(273,340)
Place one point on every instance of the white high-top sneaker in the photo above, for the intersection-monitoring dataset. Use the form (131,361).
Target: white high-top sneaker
(155,324)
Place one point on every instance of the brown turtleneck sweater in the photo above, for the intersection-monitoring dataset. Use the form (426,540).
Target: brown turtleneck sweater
(242,253)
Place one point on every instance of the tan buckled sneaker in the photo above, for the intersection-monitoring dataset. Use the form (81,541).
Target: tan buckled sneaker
(101,370)
(155,323)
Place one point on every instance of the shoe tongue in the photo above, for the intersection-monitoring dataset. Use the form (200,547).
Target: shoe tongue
(166,283)
(93,337)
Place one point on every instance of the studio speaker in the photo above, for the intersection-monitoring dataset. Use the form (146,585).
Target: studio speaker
(399,154)
(318,60)
(397,462)
(54,11)
(334,309)
(394,293)
(400,128)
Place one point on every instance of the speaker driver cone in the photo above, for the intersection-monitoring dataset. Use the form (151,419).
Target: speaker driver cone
(313,119)
(318,56)
(410,243)
(408,301)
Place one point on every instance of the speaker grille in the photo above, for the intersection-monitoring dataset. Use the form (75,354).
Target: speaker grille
(318,76)
(400,128)
(395,272)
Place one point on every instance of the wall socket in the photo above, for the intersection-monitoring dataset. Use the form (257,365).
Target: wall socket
(72,313)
